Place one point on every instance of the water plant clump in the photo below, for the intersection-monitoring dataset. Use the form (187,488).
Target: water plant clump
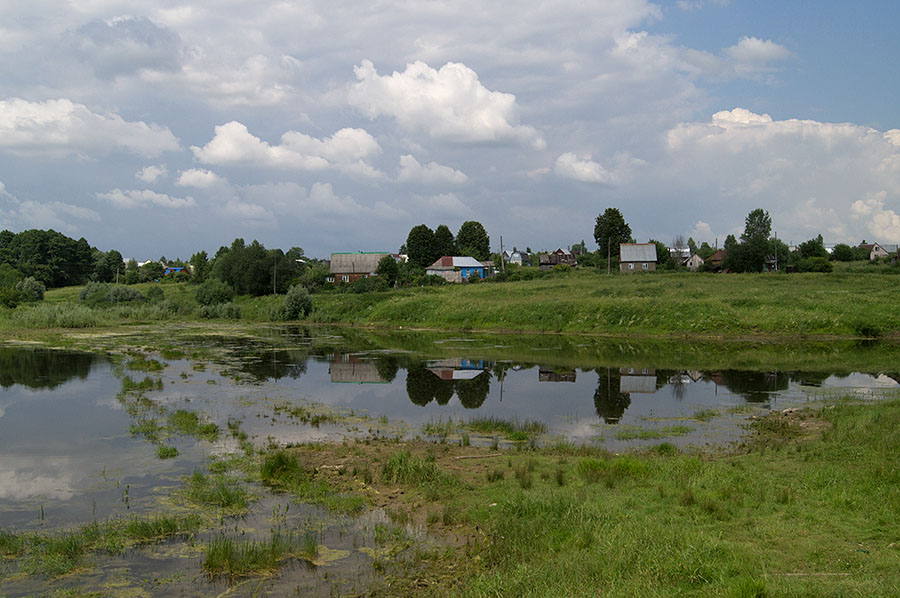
(216,491)
(230,557)
(188,422)
(512,429)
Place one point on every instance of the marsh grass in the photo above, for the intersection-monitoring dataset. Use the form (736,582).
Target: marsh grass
(282,471)
(54,554)
(166,452)
(511,429)
(306,414)
(129,384)
(187,422)
(216,491)
(638,433)
(233,558)
(403,468)
(143,363)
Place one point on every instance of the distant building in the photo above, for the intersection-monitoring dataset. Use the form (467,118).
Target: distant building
(560,257)
(518,258)
(349,267)
(457,268)
(637,257)
(717,259)
(875,250)
(693,263)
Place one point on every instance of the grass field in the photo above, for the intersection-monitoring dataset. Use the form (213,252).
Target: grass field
(846,303)
(768,305)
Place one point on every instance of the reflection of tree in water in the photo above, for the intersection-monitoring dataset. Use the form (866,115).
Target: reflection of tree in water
(420,384)
(472,393)
(443,392)
(810,378)
(423,386)
(609,402)
(273,364)
(755,387)
(387,366)
(42,369)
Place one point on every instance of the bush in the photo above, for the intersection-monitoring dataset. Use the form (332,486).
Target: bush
(228,311)
(214,292)
(155,294)
(9,297)
(815,264)
(31,289)
(96,294)
(297,303)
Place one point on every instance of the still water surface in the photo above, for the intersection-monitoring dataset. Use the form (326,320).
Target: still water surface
(71,450)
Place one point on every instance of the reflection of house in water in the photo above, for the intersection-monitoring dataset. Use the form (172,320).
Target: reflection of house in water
(348,368)
(458,369)
(551,375)
(637,380)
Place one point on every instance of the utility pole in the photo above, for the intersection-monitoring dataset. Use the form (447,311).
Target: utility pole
(502,261)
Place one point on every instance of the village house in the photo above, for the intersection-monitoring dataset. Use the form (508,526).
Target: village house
(560,257)
(875,250)
(456,268)
(517,258)
(349,267)
(693,263)
(637,257)
(717,259)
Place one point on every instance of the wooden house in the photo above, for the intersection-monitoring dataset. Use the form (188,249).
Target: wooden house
(637,257)
(349,267)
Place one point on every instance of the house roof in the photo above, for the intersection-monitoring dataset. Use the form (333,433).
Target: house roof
(356,263)
(717,256)
(449,262)
(637,252)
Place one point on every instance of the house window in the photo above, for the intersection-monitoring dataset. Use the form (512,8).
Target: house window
(645,265)
(329,279)
(345,278)
(631,266)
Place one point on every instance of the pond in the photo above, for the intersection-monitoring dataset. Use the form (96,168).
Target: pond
(81,433)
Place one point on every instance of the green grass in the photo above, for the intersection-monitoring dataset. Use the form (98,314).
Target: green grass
(841,303)
(166,452)
(791,514)
(282,471)
(229,557)
(512,429)
(216,491)
(187,422)
(54,554)
(638,433)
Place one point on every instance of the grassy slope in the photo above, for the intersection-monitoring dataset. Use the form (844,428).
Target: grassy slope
(842,303)
(809,509)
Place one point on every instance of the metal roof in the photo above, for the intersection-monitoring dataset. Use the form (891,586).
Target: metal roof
(448,261)
(637,252)
(355,263)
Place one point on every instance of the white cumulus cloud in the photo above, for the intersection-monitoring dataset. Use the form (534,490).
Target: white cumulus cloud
(199,178)
(883,223)
(411,171)
(135,198)
(347,150)
(449,104)
(151,174)
(570,166)
(62,127)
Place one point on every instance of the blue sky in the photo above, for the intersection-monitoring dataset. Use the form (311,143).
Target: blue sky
(172,126)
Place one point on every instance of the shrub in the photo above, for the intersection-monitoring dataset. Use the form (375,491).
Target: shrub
(297,303)
(229,311)
(31,289)
(815,264)
(155,294)
(9,297)
(214,292)
(96,294)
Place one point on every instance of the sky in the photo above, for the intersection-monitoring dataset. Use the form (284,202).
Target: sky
(167,127)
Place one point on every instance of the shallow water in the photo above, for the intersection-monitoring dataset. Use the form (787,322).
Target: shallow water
(72,450)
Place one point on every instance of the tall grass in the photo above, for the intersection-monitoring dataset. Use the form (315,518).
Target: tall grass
(229,557)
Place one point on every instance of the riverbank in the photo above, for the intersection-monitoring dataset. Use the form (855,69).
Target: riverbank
(761,306)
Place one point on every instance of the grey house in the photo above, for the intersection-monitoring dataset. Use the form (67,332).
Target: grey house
(637,257)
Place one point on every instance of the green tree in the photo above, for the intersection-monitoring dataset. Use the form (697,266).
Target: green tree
(297,303)
(757,226)
(108,266)
(610,231)
(420,246)
(663,256)
(444,244)
(692,245)
(813,248)
(473,240)
(200,264)
(705,250)
(31,289)
(842,253)
(151,271)
(388,270)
